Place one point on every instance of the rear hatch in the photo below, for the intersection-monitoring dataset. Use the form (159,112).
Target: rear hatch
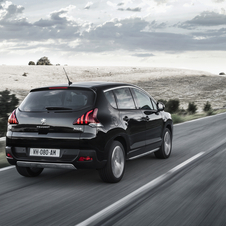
(47,118)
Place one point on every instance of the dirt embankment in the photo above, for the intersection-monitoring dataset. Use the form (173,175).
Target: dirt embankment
(161,83)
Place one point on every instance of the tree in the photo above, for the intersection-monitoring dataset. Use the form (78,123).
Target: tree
(43,61)
(31,63)
(8,103)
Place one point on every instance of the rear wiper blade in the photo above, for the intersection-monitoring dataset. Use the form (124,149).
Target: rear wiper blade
(58,108)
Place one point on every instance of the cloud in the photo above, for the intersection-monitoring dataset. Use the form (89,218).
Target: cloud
(10,10)
(161,1)
(88,5)
(56,18)
(136,35)
(218,1)
(144,55)
(206,18)
(57,26)
(136,9)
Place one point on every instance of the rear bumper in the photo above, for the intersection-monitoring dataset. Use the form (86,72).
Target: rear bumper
(45,165)
(69,159)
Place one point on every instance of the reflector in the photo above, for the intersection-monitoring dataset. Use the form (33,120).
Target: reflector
(86,158)
(9,155)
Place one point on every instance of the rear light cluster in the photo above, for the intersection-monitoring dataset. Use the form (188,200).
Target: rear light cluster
(12,118)
(87,118)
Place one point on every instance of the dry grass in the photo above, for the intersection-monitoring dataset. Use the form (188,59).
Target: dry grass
(161,83)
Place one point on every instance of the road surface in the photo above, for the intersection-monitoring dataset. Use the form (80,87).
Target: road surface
(65,197)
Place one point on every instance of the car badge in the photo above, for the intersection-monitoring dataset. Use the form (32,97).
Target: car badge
(43,121)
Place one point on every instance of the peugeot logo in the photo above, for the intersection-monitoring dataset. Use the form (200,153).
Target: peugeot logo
(43,121)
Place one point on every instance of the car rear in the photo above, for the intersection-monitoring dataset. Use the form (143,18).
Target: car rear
(47,128)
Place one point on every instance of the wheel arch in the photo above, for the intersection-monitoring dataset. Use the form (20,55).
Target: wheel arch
(122,138)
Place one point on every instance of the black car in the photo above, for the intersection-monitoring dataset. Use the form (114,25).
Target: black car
(94,125)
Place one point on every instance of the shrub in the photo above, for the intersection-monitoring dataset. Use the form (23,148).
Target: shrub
(176,118)
(207,107)
(8,103)
(192,108)
(31,63)
(43,61)
(172,106)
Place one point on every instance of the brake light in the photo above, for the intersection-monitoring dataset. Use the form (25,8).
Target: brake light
(12,118)
(58,87)
(87,118)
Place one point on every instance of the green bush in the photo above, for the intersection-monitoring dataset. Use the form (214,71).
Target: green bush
(8,103)
(207,107)
(172,106)
(192,108)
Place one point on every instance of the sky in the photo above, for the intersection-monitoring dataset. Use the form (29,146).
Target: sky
(139,33)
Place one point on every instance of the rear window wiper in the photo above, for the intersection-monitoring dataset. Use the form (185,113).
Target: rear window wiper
(58,108)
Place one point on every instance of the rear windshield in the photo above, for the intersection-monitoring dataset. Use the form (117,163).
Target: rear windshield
(69,99)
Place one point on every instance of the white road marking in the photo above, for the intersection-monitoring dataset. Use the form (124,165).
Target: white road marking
(6,168)
(140,190)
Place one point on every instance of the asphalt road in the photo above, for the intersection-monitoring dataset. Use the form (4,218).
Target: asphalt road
(62,197)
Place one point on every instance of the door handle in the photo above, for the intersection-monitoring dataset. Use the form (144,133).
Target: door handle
(126,118)
(145,118)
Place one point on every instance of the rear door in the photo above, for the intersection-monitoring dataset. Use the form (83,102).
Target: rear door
(132,120)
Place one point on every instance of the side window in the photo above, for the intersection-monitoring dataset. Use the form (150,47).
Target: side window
(124,98)
(143,101)
(111,98)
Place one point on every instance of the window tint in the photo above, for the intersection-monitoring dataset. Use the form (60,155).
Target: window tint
(73,99)
(124,98)
(143,101)
(111,98)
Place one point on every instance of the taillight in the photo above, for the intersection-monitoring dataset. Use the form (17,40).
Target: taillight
(87,118)
(12,118)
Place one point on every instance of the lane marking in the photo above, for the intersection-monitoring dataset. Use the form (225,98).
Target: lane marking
(123,202)
(2,139)
(7,168)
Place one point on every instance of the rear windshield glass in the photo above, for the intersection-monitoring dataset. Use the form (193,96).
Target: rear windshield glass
(70,99)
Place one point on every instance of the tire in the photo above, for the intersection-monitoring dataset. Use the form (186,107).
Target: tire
(28,171)
(166,147)
(115,167)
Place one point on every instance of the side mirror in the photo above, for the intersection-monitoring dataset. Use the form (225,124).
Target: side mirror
(160,106)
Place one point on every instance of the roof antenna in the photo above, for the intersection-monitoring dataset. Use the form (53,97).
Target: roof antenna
(69,82)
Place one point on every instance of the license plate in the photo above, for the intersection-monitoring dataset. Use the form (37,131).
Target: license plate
(44,152)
